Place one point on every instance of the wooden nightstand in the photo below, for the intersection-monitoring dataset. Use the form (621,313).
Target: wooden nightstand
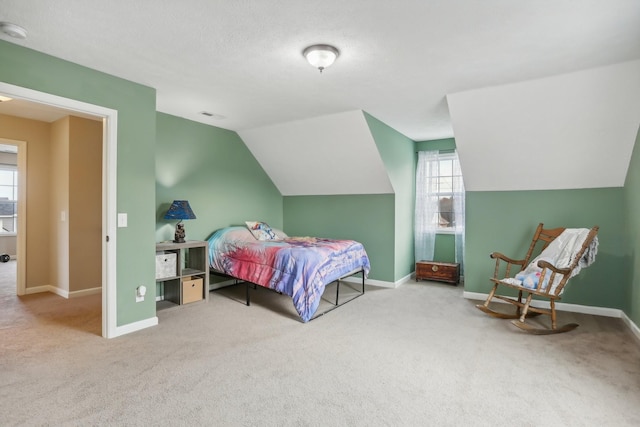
(438,271)
(182,272)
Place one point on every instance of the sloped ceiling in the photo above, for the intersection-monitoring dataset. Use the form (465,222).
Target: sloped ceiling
(575,130)
(327,155)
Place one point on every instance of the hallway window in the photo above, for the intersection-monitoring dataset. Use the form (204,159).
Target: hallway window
(8,199)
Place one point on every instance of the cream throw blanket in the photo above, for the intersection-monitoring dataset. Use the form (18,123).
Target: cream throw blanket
(560,253)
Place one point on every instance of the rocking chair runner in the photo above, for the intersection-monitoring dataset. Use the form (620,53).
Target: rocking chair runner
(541,277)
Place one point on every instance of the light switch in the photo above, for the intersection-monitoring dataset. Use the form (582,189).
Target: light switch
(122,220)
(63,216)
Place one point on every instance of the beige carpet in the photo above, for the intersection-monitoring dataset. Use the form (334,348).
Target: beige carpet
(413,356)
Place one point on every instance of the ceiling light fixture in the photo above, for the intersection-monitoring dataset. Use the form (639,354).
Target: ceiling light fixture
(321,56)
(13,30)
(5,98)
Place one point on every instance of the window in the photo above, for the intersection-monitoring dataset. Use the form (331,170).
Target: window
(438,185)
(439,203)
(447,179)
(8,199)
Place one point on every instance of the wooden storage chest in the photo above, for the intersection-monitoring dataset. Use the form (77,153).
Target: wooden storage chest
(439,271)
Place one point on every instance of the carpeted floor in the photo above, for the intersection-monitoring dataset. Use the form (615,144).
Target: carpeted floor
(419,355)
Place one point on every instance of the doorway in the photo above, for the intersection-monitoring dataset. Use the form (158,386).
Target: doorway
(13,160)
(109,144)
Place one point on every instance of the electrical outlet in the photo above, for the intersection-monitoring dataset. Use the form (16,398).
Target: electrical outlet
(140,293)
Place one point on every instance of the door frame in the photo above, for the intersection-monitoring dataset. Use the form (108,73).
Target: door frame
(109,195)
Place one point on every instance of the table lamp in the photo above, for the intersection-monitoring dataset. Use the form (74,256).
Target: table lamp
(180,210)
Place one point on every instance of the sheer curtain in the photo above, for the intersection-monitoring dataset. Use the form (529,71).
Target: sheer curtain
(426,204)
(428,174)
(458,211)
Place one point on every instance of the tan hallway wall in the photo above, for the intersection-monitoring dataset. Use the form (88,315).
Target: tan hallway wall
(85,204)
(76,188)
(59,206)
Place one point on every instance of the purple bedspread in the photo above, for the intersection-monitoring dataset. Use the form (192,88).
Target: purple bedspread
(300,267)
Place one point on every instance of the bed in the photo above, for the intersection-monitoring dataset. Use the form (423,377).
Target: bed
(300,267)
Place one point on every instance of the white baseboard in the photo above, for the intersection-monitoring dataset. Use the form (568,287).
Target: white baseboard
(134,327)
(38,289)
(404,280)
(572,308)
(62,292)
(378,283)
(560,306)
(634,328)
(85,292)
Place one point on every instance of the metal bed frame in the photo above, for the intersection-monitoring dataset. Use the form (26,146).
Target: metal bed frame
(335,304)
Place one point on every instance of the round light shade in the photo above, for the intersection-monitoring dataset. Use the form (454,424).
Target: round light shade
(321,55)
(13,30)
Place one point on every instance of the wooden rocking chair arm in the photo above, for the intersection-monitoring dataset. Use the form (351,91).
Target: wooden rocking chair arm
(548,265)
(505,258)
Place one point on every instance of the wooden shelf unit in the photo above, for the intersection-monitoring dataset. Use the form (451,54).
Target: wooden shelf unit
(190,283)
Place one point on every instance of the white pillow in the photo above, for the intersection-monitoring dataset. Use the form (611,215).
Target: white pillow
(280,235)
(261,230)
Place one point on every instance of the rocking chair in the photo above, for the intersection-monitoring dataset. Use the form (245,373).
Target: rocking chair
(564,252)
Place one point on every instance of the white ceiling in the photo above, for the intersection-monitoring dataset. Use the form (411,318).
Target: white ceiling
(242,60)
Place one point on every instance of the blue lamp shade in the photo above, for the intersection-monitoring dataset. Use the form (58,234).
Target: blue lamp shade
(180,210)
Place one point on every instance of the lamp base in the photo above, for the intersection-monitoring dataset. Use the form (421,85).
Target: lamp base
(180,233)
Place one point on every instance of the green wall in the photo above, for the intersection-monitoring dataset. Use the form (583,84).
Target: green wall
(504,221)
(365,218)
(214,170)
(444,249)
(135,163)
(399,157)
(632,223)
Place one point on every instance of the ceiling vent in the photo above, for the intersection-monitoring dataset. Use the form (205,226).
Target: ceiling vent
(212,115)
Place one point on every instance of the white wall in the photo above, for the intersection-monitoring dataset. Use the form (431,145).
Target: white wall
(574,130)
(326,155)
